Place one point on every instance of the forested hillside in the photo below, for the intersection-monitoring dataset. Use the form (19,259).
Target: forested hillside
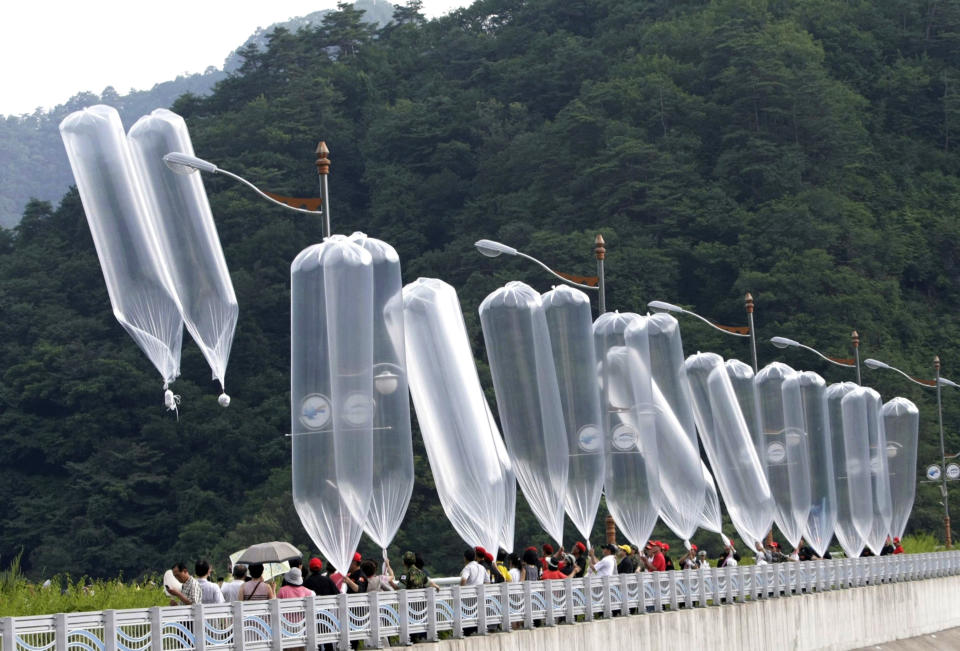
(805,151)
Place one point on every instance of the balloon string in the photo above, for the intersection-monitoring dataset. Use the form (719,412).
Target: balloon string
(171,401)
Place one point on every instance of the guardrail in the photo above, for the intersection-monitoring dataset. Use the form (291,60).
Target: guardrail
(282,623)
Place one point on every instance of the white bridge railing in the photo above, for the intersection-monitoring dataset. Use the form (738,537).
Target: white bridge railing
(277,624)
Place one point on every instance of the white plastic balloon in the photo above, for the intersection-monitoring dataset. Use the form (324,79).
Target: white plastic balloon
(139,284)
(631,476)
(331,393)
(392,482)
(866,462)
(187,236)
(569,320)
(879,474)
(528,399)
(901,420)
(458,431)
(854,504)
(805,414)
(509,518)
(788,462)
(681,478)
(741,377)
(710,517)
(729,447)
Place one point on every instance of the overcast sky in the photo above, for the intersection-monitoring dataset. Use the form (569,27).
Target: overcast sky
(53,50)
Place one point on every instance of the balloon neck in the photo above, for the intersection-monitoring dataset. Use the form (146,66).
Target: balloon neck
(686,543)
(386,556)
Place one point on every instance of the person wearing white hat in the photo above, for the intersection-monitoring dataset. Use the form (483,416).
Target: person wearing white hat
(293,586)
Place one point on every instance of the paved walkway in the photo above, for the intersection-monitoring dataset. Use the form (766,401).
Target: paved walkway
(948,639)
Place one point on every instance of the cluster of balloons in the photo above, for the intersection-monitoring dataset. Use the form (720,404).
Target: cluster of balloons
(155,237)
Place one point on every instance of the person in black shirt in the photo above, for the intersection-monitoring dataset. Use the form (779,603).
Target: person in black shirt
(321,584)
(356,580)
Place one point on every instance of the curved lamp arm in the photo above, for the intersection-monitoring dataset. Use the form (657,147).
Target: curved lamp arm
(670,307)
(186,164)
(492,249)
(783,342)
(876,363)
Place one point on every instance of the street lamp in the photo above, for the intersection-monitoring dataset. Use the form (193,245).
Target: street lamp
(186,164)
(936,383)
(492,249)
(783,342)
(736,331)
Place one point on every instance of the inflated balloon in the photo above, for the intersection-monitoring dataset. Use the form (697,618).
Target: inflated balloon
(528,399)
(631,477)
(879,474)
(508,524)
(392,443)
(805,414)
(741,377)
(788,462)
(138,282)
(729,447)
(187,237)
(854,501)
(570,323)
(681,478)
(455,422)
(901,421)
(710,518)
(331,393)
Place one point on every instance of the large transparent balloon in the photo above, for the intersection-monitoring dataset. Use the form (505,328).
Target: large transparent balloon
(710,518)
(570,322)
(879,474)
(729,447)
(392,443)
(631,476)
(187,237)
(854,501)
(138,282)
(741,377)
(508,523)
(681,478)
(901,421)
(805,414)
(455,422)
(788,462)
(331,393)
(528,399)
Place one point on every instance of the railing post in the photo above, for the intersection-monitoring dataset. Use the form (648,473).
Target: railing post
(60,628)
(625,594)
(238,638)
(587,598)
(431,615)
(548,600)
(672,590)
(310,622)
(373,601)
(568,586)
(657,596)
(505,623)
(728,571)
(482,609)
(527,605)
(199,634)
(742,578)
(457,611)
(344,608)
(607,609)
(9,634)
(276,643)
(110,631)
(703,587)
(403,608)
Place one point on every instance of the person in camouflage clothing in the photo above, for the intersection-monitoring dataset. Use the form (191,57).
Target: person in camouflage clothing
(413,577)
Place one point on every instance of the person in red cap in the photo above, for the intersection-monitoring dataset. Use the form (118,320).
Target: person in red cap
(547,552)
(652,559)
(319,582)
(579,560)
(897,547)
(689,560)
(355,579)
(553,570)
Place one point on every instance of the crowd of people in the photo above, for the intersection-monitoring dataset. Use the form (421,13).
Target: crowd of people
(479,567)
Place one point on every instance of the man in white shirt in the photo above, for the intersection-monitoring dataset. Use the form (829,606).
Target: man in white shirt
(606,566)
(210,592)
(472,573)
(231,589)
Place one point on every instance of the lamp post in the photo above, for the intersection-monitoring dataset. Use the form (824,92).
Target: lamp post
(492,249)
(736,331)
(783,342)
(936,383)
(186,164)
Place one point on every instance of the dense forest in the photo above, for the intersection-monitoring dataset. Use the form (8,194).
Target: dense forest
(804,151)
